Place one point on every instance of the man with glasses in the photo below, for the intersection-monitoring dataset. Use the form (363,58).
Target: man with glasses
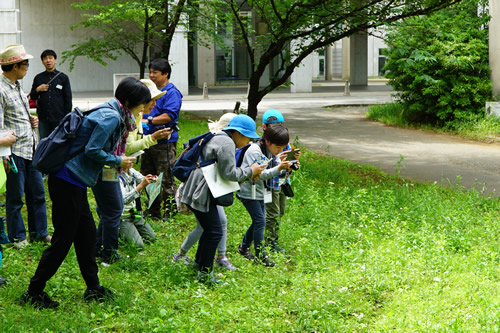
(22,178)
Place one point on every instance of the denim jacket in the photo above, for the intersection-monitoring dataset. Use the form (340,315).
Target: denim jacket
(99,135)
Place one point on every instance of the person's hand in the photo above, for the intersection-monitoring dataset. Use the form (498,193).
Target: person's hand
(297,155)
(257,170)
(148,179)
(127,162)
(9,139)
(34,121)
(6,165)
(42,87)
(162,134)
(284,165)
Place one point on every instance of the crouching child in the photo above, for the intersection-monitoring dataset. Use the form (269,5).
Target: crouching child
(133,228)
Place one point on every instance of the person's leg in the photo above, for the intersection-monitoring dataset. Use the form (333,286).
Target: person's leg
(248,237)
(66,209)
(45,128)
(192,238)
(272,213)
(35,202)
(164,159)
(221,248)
(209,239)
(14,201)
(109,201)
(147,233)
(129,232)
(256,210)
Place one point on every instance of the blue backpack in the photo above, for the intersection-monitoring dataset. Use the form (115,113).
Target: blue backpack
(191,157)
(54,151)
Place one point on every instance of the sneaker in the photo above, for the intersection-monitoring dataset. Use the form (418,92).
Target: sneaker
(179,257)
(46,239)
(21,245)
(208,278)
(276,248)
(224,262)
(99,294)
(40,301)
(246,253)
(111,260)
(265,261)
(2,281)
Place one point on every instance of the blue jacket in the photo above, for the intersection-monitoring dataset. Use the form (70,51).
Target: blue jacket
(170,104)
(99,134)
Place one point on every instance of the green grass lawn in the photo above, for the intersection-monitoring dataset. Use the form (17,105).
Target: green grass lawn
(365,252)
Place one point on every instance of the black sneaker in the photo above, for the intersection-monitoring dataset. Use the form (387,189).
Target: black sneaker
(111,260)
(2,281)
(99,294)
(40,301)
(265,261)
(246,253)
(276,248)
(209,279)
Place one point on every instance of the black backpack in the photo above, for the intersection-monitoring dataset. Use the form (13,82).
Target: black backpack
(54,151)
(191,157)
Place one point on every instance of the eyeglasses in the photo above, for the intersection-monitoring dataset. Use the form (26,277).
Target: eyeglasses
(25,63)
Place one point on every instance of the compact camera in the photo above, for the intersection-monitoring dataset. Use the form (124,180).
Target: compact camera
(294,166)
(175,127)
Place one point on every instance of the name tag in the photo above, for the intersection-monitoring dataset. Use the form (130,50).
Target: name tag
(268,197)
(109,175)
(59,86)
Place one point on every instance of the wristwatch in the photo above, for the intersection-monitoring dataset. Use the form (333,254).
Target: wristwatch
(150,120)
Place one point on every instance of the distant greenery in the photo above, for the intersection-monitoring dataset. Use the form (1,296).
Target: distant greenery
(439,64)
(367,252)
(485,129)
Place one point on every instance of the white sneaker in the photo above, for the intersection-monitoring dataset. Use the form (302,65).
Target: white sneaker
(22,244)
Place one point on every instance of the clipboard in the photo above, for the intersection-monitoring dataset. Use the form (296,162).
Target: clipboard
(217,185)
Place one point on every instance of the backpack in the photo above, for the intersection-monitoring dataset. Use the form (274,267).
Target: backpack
(191,157)
(54,151)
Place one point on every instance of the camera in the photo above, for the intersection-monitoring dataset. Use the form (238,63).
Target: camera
(175,127)
(294,166)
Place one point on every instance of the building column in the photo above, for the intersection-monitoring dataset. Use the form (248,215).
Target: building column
(301,77)
(328,63)
(355,59)
(179,60)
(494,45)
(206,65)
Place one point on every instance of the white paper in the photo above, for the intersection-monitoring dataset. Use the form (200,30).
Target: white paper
(137,153)
(217,185)
(4,150)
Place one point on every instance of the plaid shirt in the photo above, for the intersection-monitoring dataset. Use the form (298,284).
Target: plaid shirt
(14,115)
(275,182)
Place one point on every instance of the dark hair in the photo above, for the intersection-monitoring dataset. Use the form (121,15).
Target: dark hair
(132,92)
(276,134)
(47,53)
(161,65)
(8,68)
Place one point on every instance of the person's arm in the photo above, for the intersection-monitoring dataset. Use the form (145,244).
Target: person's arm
(36,83)
(67,95)
(102,132)
(169,107)
(129,194)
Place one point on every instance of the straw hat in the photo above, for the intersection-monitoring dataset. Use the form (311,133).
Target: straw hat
(223,122)
(155,92)
(13,54)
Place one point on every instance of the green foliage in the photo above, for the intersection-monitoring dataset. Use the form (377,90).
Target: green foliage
(439,63)
(367,252)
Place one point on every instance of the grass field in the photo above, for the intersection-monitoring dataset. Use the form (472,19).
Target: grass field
(366,252)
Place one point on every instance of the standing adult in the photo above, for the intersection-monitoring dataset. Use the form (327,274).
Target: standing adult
(15,115)
(100,133)
(160,158)
(52,91)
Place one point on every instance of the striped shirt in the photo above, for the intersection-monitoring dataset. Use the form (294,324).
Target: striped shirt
(14,115)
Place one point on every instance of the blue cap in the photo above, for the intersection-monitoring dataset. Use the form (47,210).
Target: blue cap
(272,113)
(243,124)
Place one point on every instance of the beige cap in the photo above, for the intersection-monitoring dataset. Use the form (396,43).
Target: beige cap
(155,92)
(223,122)
(13,54)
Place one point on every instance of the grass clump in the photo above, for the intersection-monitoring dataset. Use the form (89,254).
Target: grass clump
(366,252)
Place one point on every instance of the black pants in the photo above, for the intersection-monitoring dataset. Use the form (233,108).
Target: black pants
(73,223)
(210,238)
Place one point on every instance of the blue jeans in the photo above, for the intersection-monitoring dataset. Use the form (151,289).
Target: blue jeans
(108,196)
(255,232)
(27,181)
(210,238)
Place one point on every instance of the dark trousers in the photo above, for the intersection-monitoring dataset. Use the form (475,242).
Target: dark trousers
(155,160)
(73,224)
(109,199)
(255,232)
(210,238)
(28,182)
(46,127)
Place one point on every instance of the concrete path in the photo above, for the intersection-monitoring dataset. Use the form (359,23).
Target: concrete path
(344,132)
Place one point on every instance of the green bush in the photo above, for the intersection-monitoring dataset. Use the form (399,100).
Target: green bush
(439,64)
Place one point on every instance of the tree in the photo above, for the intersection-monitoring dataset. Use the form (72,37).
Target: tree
(439,64)
(308,25)
(125,27)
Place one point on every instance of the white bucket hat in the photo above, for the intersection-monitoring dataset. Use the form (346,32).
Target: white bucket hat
(13,54)
(223,122)
(155,92)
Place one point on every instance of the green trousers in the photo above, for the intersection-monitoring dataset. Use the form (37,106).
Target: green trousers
(137,231)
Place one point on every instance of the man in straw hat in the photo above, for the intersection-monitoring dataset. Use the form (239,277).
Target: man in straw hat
(14,115)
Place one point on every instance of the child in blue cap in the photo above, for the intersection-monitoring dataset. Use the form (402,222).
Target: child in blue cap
(276,208)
